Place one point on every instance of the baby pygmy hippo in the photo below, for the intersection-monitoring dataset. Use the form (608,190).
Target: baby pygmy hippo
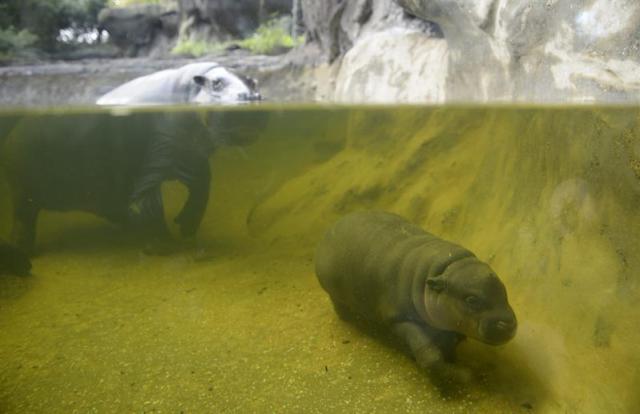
(430,293)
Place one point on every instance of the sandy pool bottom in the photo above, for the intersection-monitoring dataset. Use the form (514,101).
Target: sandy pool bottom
(100,327)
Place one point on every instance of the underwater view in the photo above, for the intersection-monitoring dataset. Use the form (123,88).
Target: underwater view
(223,311)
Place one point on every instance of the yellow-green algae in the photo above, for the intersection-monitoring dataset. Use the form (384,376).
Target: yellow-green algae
(548,196)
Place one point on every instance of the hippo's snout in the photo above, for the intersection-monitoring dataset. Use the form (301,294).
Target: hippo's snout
(497,331)
(250,97)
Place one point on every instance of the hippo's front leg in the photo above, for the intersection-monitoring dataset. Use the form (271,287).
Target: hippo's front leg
(422,347)
(146,215)
(196,176)
(428,354)
(146,210)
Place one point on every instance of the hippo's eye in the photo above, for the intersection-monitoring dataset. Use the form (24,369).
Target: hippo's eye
(473,302)
(217,84)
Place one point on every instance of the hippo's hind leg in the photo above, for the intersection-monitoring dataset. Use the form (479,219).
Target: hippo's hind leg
(25,216)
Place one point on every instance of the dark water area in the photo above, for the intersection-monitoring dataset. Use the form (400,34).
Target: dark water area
(235,320)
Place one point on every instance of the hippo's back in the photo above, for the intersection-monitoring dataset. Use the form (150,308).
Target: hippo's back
(375,263)
(358,259)
(164,87)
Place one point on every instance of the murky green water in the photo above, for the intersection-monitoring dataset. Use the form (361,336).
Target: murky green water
(237,321)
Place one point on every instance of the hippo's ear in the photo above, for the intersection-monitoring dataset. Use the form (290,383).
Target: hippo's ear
(435,284)
(200,80)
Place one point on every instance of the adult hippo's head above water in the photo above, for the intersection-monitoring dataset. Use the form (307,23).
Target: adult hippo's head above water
(203,83)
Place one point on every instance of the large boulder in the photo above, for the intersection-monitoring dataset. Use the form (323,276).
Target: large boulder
(336,25)
(546,51)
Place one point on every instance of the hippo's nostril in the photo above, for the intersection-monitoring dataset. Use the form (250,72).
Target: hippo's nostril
(249,97)
(503,325)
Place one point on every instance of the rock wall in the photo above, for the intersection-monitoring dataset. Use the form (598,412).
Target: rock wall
(236,18)
(495,50)
(143,30)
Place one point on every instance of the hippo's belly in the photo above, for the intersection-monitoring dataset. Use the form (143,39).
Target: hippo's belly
(74,163)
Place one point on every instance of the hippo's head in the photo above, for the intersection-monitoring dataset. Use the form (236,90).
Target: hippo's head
(469,298)
(220,85)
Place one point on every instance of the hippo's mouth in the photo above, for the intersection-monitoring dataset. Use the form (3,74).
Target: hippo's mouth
(497,331)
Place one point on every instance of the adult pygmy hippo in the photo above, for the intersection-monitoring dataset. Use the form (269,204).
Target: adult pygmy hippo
(428,292)
(204,82)
(109,166)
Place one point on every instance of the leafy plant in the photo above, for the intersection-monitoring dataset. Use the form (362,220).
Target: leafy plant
(123,3)
(271,37)
(12,40)
(197,48)
(15,43)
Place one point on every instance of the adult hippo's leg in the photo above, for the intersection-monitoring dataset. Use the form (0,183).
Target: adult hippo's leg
(146,215)
(146,210)
(25,216)
(165,162)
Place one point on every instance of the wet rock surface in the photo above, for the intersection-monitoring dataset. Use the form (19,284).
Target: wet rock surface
(553,51)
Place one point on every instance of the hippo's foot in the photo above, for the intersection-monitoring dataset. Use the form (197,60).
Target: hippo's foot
(445,375)
(13,261)
(161,247)
(164,246)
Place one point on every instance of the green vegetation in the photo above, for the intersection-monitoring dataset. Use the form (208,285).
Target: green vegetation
(123,3)
(198,47)
(37,23)
(270,37)
(13,43)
